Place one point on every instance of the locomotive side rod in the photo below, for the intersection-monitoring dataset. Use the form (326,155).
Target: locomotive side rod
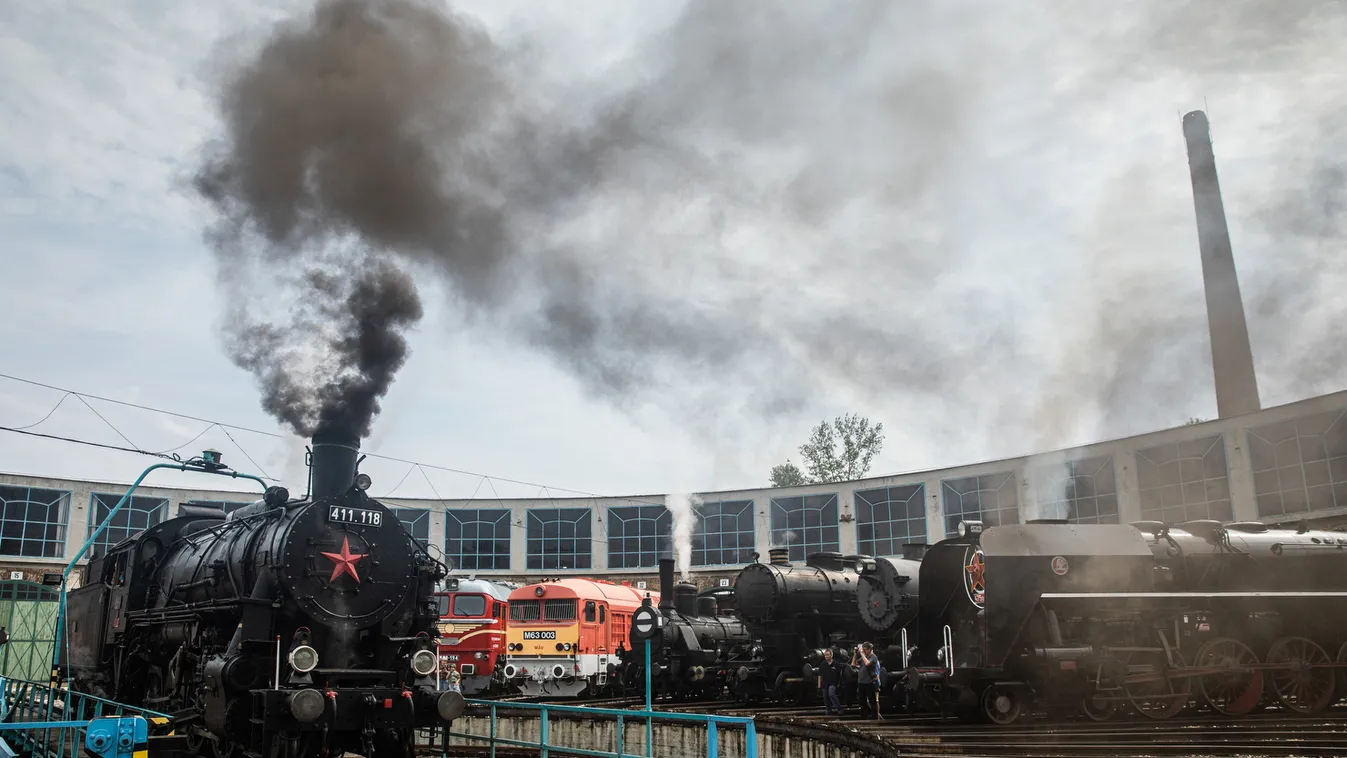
(209,463)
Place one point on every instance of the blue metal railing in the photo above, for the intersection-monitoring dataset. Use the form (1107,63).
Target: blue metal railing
(545,747)
(51,722)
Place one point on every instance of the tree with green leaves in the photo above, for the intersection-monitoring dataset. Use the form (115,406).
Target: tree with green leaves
(837,451)
(787,475)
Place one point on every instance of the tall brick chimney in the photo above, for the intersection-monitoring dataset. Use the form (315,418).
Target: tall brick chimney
(1231,355)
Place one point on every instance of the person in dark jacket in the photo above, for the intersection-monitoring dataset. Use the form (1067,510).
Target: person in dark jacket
(829,679)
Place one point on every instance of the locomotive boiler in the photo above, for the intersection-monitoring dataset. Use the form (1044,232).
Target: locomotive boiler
(1148,616)
(698,652)
(285,628)
(797,612)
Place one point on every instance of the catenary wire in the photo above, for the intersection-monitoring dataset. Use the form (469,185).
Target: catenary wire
(84,397)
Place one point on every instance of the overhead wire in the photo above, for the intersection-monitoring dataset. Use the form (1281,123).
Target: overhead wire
(225,427)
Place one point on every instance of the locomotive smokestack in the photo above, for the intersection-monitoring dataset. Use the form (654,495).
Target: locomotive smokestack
(332,466)
(1231,355)
(666,583)
(780,556)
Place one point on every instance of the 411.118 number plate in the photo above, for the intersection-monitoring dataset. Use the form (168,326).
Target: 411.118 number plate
(358,516)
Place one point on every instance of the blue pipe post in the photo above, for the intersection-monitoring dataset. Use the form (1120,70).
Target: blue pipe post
(649,726)
(65,575)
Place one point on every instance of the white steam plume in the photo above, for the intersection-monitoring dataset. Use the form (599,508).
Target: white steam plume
(683,508)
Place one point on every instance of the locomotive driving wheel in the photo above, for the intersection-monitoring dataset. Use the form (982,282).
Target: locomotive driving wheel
(1002,704)
(1152,690)
(1236,688)
(1303,681)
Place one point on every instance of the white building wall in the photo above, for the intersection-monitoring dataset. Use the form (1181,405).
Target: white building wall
(1313,429)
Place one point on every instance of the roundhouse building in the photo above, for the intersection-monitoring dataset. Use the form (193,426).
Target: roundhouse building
(1279,464)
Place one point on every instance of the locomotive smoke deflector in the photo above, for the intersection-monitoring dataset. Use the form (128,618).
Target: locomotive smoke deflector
(332,463)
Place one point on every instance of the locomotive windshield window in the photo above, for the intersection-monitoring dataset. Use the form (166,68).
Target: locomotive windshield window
(524,610)
(469,605)
(589,612)
(559,610)
(444,605)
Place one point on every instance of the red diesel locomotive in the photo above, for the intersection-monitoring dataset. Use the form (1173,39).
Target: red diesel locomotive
(473,618)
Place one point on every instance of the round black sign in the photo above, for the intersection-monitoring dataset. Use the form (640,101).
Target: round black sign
(645,622)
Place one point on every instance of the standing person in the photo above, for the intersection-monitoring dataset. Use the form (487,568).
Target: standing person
(829,679)
(867,686)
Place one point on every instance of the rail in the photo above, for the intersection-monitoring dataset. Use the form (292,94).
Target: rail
(546,743)
(55,723)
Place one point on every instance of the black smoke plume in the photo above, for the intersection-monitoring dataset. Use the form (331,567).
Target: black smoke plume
(762,206)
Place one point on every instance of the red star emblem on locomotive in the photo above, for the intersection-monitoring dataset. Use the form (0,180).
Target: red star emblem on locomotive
(344,562)
(976,571)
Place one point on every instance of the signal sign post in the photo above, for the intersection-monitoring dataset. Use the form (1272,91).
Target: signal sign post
(646,622)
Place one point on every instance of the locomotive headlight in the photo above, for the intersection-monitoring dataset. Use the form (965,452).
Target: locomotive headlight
(362,482)
(423,663)
(303,659)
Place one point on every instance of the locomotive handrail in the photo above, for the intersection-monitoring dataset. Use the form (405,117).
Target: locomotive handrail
(949,649)
(208,464)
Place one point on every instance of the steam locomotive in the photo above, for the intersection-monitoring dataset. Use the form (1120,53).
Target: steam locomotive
(285,628)
(699,652)
(1061,617)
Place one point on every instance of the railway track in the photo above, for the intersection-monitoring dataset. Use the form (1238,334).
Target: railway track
(1270,733)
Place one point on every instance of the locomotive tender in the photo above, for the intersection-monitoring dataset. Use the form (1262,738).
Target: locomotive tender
(285,628)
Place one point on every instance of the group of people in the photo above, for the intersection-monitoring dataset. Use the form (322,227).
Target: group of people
(868,671)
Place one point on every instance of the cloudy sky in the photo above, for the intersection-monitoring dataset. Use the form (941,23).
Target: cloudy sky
(710,225)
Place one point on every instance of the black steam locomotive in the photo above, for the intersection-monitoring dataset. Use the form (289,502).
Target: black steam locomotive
(285,628)
(698,652)
(1056,616)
